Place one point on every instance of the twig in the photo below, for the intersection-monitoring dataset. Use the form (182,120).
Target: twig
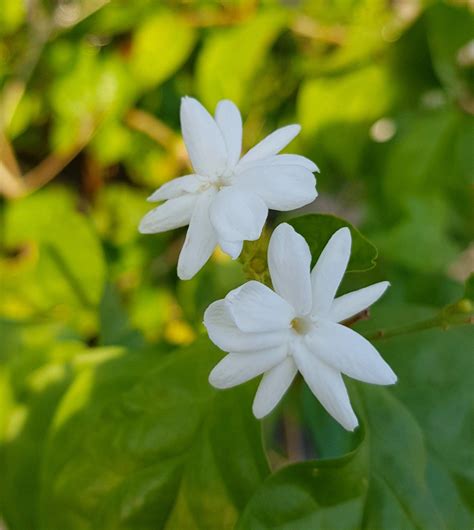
(307,27)
(363,315)
(153,127)
(442,321)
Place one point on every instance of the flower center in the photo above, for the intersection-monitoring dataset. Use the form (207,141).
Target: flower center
(301,325)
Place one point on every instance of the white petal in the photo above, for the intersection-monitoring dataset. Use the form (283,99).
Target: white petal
(200,239)
(237,368)
(350,353)
(175,188)
(232,248)
(273,386)
(289,262)
(256,308)
(329,270)
(282,188)
(229,120)
(172,214)
(280,160)
(238,214)
(226,335)
(203,139)
(295,160)
(327,385)
(350,304)
(272,144)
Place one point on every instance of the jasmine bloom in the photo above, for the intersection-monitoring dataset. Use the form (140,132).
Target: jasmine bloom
(296,328)
(226,200)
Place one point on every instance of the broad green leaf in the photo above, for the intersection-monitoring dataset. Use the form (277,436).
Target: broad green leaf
(60,261)
(145,442)
(317,229)
(91,90)
(341,130)
(435,370)
(159,46)
(35,370)
(376,487)
(324,495)
(424,227)
(230,59)
(420,157)
(115,328)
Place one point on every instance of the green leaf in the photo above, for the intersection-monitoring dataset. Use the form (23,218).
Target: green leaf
(419,154)
(469,288)
(90,89)
(69,264)
(317,229)
(145,442)
(341,130)
(435,370)
(424,227)
(230,59)
(377,486)
(324,495)
(115,327)
(34,374)
(159,47)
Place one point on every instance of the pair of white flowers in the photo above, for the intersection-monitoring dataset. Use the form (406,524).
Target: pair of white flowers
(296,326)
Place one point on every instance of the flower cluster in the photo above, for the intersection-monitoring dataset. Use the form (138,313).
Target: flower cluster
(298,326)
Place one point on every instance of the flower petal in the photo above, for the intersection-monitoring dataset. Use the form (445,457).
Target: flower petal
(238,214)
(203,139)
(175,188)
(282,187)
(273,386)
(272,144)
(350,353)
(255,307)
(226,335)
(295,160)
(172,214)
(237,368)
(200,239)
(327,385)
(289,262)
(279,160)
(350,304)
(232,248)
(229,121)
(329,270)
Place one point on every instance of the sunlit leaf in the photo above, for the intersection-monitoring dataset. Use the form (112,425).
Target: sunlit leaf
(230,59)
(336,112)
(146,442)
(159,46)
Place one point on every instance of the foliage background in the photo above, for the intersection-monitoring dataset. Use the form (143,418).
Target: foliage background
(106,417)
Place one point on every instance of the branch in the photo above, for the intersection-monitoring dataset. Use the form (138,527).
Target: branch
(454,315)
(153,127)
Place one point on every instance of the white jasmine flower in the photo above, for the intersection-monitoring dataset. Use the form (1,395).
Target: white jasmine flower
(226,200)
(295,328)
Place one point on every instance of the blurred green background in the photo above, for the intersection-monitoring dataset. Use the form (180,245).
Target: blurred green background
(89,114)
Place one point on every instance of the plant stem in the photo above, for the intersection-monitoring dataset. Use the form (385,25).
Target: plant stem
(444,320)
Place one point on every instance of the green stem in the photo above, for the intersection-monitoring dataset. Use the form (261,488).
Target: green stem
(452,316)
